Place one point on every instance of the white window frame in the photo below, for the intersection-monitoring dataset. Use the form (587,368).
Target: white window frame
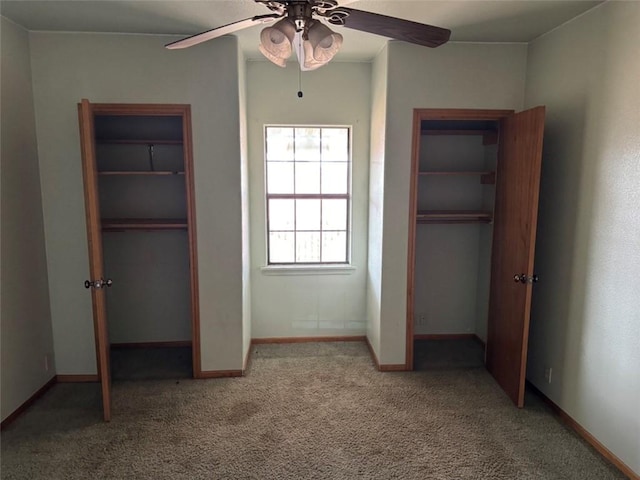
(310,267)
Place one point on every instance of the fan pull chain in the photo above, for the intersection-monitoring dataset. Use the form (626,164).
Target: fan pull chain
(300,94)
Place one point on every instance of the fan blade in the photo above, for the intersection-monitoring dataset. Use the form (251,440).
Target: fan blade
(342,3)
(406,30)
(220,31)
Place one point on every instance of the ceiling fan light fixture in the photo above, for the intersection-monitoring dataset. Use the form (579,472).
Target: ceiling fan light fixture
(308,60)
(281,62)
(322,43)
(275,41)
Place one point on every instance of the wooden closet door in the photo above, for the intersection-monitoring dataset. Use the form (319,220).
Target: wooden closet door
(94,237)
(514,233)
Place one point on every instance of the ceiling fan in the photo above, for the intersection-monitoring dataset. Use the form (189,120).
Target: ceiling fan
(299,26)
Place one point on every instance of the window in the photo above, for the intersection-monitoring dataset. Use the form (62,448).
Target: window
(308,194)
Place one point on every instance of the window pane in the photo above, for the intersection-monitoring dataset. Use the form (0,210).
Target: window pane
(281,247)
(335,145)
(279,143)
(307,144)
(307,161)
(307,214)
(334,215)
(308,247)
(281,214)
(280,177)
(335,177)
(308,177)
(334,246)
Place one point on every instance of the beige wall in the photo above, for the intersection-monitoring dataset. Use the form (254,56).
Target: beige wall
(376,196)
(585,323)
(312,304)
(455,75)
(25,318)
(137,69)
(244,188)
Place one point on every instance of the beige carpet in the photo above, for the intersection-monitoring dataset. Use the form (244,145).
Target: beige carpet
(307,411)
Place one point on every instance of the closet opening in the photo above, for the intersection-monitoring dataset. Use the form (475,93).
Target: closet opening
(137,164)
(455,195)
(143,211)
(472,225)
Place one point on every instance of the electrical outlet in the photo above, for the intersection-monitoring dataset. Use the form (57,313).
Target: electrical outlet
(547,374)
(421,320)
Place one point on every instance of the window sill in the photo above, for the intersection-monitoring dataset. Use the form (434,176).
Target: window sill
(308,270)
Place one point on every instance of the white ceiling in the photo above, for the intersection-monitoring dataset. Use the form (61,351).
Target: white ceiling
(469,20)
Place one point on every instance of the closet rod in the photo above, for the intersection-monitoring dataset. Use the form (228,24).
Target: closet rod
(151,157)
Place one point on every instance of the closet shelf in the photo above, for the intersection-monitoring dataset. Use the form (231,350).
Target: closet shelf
(489,137)
(135,141)
(457,132)
(486,178)
(118,224)
(453,216)
(139,172)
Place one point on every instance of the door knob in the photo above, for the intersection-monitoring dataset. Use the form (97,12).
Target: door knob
(98,283)
(524,278)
